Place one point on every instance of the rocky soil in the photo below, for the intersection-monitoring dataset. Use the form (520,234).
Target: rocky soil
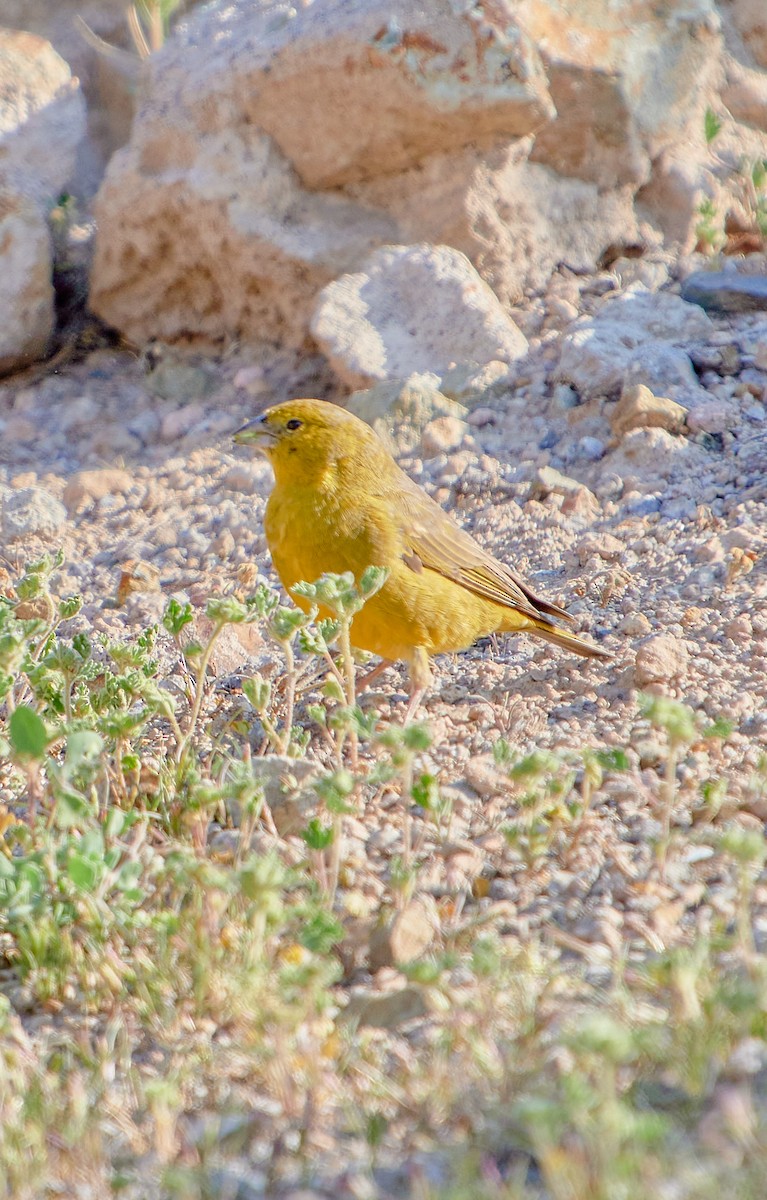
(654,538)
(594,426)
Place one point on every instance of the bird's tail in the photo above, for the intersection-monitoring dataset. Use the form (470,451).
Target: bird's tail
(563,637)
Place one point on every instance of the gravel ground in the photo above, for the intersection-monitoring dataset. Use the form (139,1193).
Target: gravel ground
(661,555)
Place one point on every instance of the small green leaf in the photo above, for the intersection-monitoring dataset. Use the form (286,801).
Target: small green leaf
(711,126)
(226,610)
(503,754)
(71,809)
(372,580)
(417,737)
(720,728)
(115,821)
(425,792)
(257,691)
(176,616)
(321,932)
(70,607)
(317,836)
(83,872)
(613,760)
(676,718)
(27,732)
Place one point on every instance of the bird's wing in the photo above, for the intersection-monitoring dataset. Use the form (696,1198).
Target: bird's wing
(434,541)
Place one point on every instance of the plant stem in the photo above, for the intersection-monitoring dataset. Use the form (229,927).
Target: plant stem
(347,659)
(199,691)
(668,791)
(290,694)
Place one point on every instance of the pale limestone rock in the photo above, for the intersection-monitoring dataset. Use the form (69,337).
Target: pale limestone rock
(412,309)
(712,416)
(349,89)
(472,385)
(384,1010)
(405,936)
(29,511)
(42,116)
(740,630)
(548,481)
(750,19)
(241,477)
(639,408)
(635,625)
(628,81)
(42,123)
(516,220)
(671,198)
(211,236)
(634,338)
(600,545)
(208,227)
(745,94)
(26,291)
(109,81)
(653,456)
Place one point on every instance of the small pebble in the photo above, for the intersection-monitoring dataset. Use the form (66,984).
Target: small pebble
(635,625)
(442,434)
(662,658)
(591,448)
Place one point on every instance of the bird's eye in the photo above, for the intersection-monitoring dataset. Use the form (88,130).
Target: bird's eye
(294,423)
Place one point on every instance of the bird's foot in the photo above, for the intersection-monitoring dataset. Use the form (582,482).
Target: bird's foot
(416,696)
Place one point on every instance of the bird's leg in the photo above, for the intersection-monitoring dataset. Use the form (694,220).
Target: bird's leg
(373,674)
(420,680)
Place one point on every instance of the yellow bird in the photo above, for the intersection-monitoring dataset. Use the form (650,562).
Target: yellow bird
(341,503)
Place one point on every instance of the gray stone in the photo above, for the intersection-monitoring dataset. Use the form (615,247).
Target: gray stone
(726,291)
(633,339)
(400,410)
(472,385)
(42,116)
(30,511)
(287,791)
(412,308)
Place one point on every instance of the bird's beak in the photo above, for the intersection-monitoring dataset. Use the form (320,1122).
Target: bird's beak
(255,433)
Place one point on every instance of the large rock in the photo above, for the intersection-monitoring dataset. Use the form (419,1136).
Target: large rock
(107,77)
(412,309)
(225,215)
(398,82)
(42,115)
(516,220)
(213,237)
(745,93)
(628,80)
(636,338)
(277,145)
(26,291)
(750,20)
(42,121)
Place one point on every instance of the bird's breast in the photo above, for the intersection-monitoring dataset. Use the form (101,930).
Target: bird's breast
(311,532)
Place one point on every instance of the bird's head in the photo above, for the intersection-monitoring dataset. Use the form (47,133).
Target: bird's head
(304,439)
